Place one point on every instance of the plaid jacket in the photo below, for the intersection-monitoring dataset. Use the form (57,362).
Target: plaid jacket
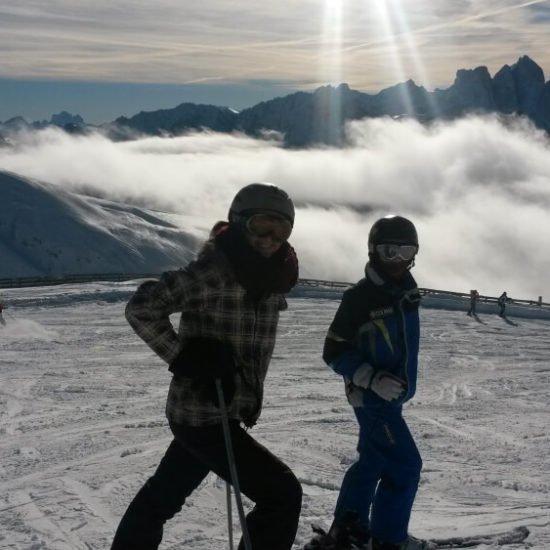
(212,304)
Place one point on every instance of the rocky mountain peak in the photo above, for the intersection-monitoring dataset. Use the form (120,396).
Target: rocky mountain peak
(319,117)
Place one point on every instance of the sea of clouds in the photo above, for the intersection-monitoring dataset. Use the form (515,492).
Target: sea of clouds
(478,190)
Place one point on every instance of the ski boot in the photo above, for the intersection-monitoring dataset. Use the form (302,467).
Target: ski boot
(346,533)
(321,540)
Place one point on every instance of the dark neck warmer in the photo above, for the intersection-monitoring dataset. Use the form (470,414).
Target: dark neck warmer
(258,275)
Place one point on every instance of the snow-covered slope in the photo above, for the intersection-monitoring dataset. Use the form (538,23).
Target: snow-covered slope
(82,423)
(46,230)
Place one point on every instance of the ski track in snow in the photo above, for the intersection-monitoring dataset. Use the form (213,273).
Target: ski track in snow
(83,426)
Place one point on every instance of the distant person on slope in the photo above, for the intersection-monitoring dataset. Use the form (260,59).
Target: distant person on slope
(229,299)
(474,296)
(502,300)
(373,343)
(2,320)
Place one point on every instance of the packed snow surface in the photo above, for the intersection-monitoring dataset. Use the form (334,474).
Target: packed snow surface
(83,426)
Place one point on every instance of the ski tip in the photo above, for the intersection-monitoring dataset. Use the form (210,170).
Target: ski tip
(514,535)
(524,530)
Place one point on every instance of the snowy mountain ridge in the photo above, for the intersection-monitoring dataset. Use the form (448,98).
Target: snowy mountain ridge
(46,230)
(309,118)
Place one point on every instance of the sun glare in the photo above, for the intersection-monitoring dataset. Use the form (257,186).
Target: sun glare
(402,46)
(330,68)
(331,64)
(386,26)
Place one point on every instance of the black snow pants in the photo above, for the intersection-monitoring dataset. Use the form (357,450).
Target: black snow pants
(193,453)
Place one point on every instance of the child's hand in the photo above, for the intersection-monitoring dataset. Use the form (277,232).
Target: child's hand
(381,382)
(387,386)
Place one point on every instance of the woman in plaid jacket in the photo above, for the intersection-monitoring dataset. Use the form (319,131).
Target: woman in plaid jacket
(229,299)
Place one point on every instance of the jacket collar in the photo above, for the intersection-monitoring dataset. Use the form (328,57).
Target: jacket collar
(387,285)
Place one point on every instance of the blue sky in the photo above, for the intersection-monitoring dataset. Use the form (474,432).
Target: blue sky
(108,58)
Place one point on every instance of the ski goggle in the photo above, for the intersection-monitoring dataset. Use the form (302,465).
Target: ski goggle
(266,225)
(396,252)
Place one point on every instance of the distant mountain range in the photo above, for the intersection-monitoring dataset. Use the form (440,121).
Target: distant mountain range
(304,119)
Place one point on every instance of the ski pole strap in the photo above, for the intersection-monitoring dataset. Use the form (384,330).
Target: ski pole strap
(232,466)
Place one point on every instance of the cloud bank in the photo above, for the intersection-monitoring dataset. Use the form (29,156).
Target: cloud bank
(478,190)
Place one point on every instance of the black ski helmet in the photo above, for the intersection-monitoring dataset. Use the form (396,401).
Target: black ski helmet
(392,230)
(261,197)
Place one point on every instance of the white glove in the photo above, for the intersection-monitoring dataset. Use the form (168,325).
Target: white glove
(383,383)
(363,376)
(387,386)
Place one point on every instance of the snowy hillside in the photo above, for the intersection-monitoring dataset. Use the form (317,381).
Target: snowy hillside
(82,423)
(46,230)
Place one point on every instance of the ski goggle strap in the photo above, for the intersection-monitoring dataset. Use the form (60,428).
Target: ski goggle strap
(264,225)
(396,252)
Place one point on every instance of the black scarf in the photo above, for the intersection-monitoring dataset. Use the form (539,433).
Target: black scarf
(259,276)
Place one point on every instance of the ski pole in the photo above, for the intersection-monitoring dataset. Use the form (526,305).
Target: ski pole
(229,514)
(232,466)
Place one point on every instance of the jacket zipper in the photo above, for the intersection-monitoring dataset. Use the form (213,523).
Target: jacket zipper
(405,342)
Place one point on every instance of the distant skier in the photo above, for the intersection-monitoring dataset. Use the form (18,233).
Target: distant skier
(502,301)
(2,320)
(373,343)
(229,299)
(474,296)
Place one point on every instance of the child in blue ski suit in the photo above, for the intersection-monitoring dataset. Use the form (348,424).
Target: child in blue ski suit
(373,343)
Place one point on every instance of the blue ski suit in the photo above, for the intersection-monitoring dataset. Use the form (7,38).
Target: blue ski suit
(377,324)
